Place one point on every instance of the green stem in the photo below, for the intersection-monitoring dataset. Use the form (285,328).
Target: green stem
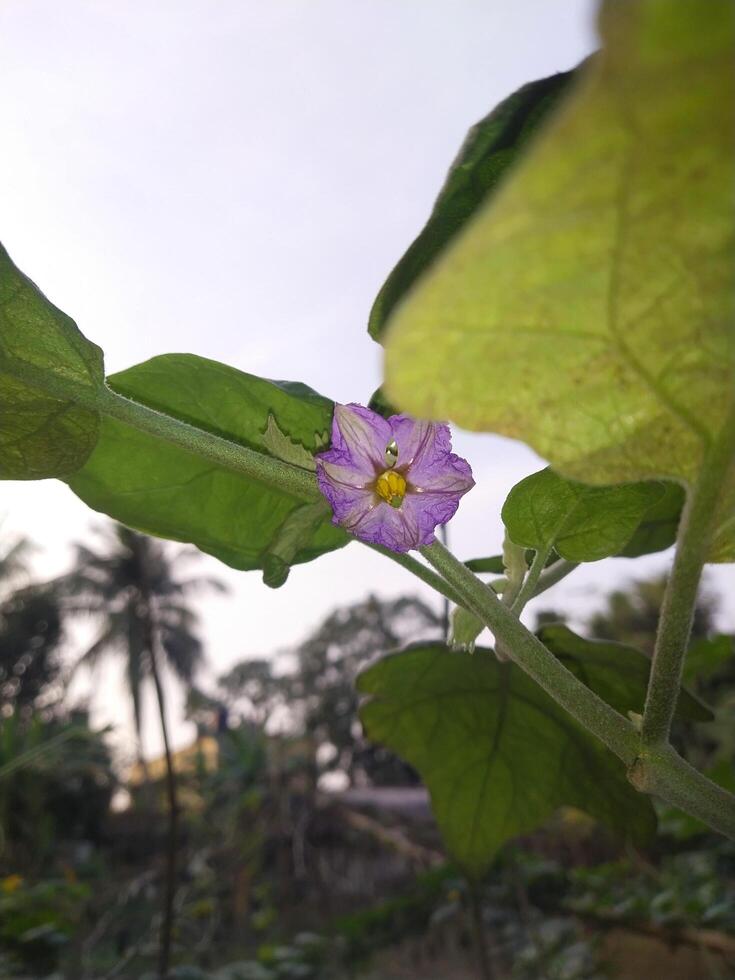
(276,473)
(282,476)
(654,769)
(446,620)
(677,612)
(528,588)
(421,571)
(660,770)
(555,573)
(534,658)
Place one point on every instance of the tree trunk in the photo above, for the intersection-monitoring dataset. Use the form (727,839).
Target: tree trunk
(164,954)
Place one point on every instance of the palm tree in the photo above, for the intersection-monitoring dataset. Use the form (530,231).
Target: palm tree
(14,557)
(31,636)
(130,586)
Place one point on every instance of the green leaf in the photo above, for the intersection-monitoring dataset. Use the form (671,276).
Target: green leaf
(514,562)
(493,564)
(46,368)
(294,534)
(280,446)
(380,404)
(465,627)
(161,489)
(496,753)
(707,656)
(580,522)
(617,673)
(489,151)
(660,523)
(588,307)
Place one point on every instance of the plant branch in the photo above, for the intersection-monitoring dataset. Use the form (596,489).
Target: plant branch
(534,658)
(420,570)
(227,453)
(549,577)
(553,574)
(661,771)
(677,612)
(231,455)
(658,770)
(528,588)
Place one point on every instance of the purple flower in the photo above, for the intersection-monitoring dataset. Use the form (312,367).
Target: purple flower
(391,481)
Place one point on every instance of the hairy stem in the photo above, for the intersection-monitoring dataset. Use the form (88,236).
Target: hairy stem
(532,656)
(677,612)
(553,574)
(549,577)
(658,770)
(276,473)
(528,589)
(283,476)
(446,621)
(422,572)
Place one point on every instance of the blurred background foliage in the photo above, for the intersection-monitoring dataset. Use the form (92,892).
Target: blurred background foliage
(304,850)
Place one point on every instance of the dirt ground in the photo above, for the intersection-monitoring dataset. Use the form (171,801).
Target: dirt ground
(631,957)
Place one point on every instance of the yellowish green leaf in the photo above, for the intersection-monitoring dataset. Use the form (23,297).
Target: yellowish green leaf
(589,307)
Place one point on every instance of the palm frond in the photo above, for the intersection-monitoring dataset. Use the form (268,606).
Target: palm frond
(108,641)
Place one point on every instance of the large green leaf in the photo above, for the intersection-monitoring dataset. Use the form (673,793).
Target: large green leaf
(488,152)
(580,522)
(497,754)
(161,489)
(618,673)
(46,367)
(589,306)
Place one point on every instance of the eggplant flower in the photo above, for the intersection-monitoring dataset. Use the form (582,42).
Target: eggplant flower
(391,481)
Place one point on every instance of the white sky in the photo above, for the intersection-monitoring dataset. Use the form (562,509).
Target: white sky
(236,179)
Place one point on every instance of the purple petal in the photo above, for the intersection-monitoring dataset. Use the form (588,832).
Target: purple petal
(346,474)
(359,439)
(417,439)
(394,528)
(428,510)
(449,474)
(431,463)
(348,502)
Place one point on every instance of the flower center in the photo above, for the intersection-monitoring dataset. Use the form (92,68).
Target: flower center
(391,487)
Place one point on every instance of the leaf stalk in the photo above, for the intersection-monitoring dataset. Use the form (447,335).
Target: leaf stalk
(694,539)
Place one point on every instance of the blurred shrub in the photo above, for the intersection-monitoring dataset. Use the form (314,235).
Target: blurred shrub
(37,921)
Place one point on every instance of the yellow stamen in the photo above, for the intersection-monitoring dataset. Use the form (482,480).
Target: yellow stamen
(391,486)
